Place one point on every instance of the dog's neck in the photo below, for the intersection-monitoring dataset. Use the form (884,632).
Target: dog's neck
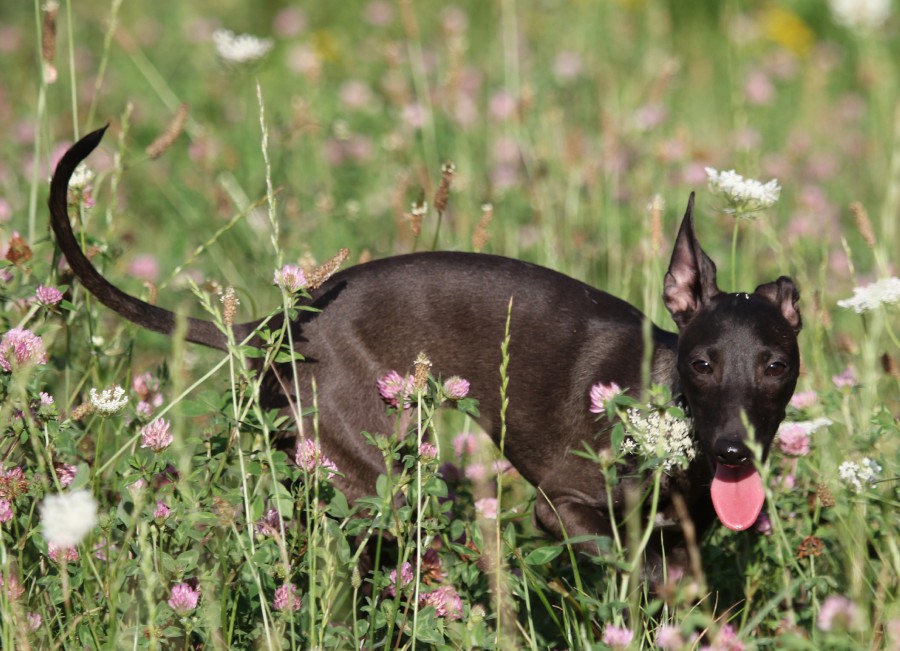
(663,365)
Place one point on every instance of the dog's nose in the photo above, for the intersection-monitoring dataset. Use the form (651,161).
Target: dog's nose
(731,453)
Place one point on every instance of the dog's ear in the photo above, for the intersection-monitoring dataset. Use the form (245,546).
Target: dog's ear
(784,295)
(691,280)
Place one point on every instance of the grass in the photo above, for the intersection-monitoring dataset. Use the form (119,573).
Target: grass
(569,120)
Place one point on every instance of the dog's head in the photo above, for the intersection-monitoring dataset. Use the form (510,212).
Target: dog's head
(738,363)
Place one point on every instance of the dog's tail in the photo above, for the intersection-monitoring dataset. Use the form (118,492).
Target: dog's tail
(140,312)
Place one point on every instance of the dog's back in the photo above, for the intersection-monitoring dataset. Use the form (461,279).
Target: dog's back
(564,337)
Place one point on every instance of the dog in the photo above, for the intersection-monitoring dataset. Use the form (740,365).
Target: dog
(734,362)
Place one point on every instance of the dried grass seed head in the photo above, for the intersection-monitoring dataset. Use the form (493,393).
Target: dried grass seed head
(422,367)
(317,277)
(443,192)
(168,137)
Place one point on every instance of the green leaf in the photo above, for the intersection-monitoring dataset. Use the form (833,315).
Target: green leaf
(188,560)
(252,352)
(285,356)
(543,555)
(82,477)
(194,408)
(339,507)
(168,563)
(468,406)
(426,629)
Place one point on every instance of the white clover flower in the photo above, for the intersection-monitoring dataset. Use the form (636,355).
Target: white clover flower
(860,15)
(109,401)
(859,476)
(67,518)
(240,48)
(81,177)
(743,196)
(882,292)
(659,434)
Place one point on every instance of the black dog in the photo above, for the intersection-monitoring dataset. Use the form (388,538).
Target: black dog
(734,360)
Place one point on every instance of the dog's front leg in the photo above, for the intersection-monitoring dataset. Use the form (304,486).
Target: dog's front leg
(567,513)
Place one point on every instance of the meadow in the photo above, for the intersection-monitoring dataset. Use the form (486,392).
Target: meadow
(576,131)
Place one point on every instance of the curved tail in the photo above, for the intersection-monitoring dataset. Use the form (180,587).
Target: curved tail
(140,312)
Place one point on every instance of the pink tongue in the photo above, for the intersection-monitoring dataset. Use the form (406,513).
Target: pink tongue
(737,495)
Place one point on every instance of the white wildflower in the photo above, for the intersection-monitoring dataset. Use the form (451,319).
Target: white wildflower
(109,401)
(67,518)
(240,48)
(859,476)
(81,177)
(743,196)
(882,292)
(808,426)
(659,434)
(860,15)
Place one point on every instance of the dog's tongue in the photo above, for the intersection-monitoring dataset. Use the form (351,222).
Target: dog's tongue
(737,495)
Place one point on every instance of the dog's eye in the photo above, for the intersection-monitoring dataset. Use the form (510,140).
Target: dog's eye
(701,366)
(776,369)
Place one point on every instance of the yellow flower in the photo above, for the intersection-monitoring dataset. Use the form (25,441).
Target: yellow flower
(788,30)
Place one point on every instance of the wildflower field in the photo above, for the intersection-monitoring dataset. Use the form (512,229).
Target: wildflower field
(144,500)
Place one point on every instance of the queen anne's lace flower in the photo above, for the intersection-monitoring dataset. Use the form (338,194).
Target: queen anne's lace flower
(81,177)
(882,292)
(793,436)
(659,434)
(743,196)
(240,48)
(809,426)
(859,476)
(109,401)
